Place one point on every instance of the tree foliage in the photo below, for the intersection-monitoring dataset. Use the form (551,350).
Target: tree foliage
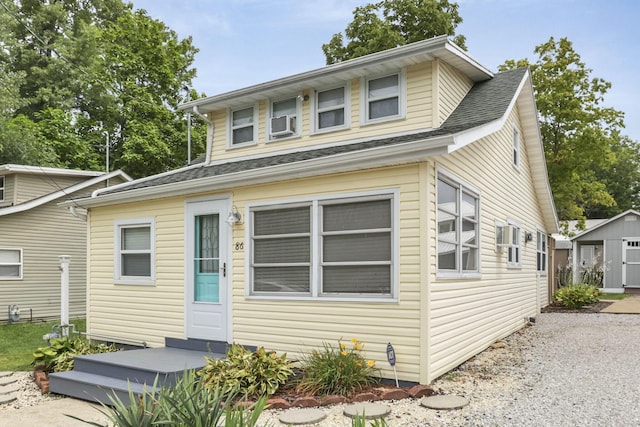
(391,23)
(84,72)
(581,137)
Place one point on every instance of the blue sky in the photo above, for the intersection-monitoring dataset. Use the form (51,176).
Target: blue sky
(244,42)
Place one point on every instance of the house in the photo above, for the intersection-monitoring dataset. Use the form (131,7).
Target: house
(400,197)
(35,231)
(608,252)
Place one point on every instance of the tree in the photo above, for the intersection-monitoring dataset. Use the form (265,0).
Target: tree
(578,133)
(391,23)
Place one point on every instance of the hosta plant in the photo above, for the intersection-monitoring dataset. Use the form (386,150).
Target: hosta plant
(577,296)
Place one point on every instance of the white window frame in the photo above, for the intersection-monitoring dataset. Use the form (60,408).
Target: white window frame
(20,264)
(346,107)
(461,188)
(2,188)
(231,127)
(516,147)
(134,223)
(365,101)
(315,204)
(298,118)
(514,250)
(542,253)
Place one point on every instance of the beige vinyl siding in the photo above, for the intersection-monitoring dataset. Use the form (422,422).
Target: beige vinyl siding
(31,186)
(419,114)
(452,88)
(302,325)
(138,312)
(467,315)
(44,233)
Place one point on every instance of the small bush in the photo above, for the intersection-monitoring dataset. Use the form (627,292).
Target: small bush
(58,357)
(255,374)
(337,370)
(577,296)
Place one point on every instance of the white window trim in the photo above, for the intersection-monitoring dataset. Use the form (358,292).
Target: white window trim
(134,280)
(315,295)
(2,188)
(21,264)
(230,111)
(517,148)
(518,245)
(460,274)
(364,98)
(316,111)
(543,234)
(299,118)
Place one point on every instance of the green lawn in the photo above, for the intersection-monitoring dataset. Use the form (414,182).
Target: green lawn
(18,341)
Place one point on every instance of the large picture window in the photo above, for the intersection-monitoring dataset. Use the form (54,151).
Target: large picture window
(324,248)
(10,264)
(134,243)
(458,230)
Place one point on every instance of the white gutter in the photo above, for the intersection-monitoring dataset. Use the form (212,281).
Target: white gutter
(210,129)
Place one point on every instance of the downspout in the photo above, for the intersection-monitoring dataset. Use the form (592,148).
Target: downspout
(80,215)
(210,131)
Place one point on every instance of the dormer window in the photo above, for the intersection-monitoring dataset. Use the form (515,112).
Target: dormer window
(331,109)
(243,127)
(384,98)
(284,118)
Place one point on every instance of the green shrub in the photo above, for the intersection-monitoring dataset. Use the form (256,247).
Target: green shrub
(58,356)
(255,374)
(577,296)
(188,403)
(337,370)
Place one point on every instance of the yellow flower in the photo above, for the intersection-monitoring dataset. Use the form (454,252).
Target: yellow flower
(342,345)
(344,353)
(357,347)
(371,363)
(354,340)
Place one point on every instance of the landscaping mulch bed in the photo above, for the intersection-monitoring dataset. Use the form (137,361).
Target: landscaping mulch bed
(557,307)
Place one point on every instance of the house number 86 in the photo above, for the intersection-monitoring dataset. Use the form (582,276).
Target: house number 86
(239,246)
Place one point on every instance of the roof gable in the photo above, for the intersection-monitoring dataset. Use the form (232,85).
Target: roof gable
(605,223)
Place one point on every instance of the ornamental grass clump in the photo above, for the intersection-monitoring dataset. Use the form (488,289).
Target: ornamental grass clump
(340,370)
(577,296)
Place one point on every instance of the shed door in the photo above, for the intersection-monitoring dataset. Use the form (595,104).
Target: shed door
(206,264)
(631,263)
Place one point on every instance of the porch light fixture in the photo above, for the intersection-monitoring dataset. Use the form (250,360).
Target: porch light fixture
(234,216)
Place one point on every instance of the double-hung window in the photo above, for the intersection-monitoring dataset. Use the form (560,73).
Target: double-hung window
(135,254)
(10,264)
(1,188)
(331,109)
(516,147)
(243,126)
(284,118)
(541,252)
(383,98)
(335,248)
(514,252)
(458,228)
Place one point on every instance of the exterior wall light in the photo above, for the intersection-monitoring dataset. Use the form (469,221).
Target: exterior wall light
(234,216)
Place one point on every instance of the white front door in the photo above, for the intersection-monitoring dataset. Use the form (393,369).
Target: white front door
(206,270)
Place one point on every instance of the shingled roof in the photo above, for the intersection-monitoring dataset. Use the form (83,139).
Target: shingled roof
(486,102)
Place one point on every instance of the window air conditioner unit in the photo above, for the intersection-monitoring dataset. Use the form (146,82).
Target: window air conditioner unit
(283,125)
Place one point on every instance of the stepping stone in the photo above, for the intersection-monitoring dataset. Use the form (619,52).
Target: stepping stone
(7,380)
(5,374)
(370,410)
(11,388)
(7,399)
(302,416)
(444,402)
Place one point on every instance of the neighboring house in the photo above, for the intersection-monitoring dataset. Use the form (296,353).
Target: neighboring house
(397,197)
(35,231)
(611,250)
